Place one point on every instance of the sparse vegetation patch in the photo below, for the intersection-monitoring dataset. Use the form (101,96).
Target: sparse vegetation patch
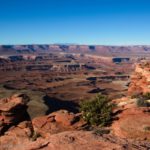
(97,111)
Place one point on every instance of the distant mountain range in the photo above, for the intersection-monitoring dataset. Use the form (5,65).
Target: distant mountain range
(143,51)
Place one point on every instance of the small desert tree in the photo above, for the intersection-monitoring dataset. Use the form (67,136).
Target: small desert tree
(97,111)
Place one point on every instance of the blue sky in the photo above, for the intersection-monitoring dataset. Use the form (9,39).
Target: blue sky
(101,22)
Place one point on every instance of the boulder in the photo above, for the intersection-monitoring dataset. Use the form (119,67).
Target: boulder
(13,111)
(57,122)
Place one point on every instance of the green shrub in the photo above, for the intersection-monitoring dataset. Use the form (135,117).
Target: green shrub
(140,102)
(146,96)
(98,111)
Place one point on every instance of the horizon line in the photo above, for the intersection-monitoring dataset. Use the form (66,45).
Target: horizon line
(74,44)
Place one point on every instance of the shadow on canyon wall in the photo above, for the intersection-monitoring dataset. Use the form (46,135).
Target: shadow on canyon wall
(55,104)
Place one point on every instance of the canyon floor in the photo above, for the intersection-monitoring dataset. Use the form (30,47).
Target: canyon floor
(40,94)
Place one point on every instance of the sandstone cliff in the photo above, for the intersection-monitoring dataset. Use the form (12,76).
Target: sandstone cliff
(140,80)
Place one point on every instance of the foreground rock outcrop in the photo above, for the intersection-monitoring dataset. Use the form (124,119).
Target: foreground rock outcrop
(57,122)
(64,130)
(22,138)
(13,111)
